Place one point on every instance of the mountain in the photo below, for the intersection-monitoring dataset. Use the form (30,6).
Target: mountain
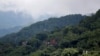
(10,19)
(82,39)
(43,26)
(4,32)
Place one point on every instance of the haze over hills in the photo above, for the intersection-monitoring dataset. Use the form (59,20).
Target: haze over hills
(43,26)
(49,28)
(4,32)
(13,12)
(11,19)
(11,22)
(81,38)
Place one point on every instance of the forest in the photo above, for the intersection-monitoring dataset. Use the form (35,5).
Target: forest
(81,39)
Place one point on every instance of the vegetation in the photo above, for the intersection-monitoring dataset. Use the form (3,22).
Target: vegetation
(80,40)
(42,26)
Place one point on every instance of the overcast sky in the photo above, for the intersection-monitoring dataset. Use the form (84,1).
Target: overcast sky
(44,8)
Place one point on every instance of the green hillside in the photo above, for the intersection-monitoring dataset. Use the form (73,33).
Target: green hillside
(43,26)
(79,40)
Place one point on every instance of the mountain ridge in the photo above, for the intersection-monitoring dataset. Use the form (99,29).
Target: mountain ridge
(4,32)
(42,26)
(82,39)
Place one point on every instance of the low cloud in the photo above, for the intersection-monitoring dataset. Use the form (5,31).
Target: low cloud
(50,8)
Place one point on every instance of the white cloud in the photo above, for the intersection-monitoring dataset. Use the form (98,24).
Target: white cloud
(38,8)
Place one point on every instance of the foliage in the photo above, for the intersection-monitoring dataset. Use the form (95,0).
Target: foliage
(80,40)
(42,27)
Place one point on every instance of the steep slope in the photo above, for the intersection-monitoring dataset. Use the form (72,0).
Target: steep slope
(80,40)
(43,26)
(4,32)
(11,22)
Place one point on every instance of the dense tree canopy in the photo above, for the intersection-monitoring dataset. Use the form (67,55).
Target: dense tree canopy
(82,39)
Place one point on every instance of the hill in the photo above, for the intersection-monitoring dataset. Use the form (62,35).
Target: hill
(4,32)
(43,26)
(11,22)
(79,40)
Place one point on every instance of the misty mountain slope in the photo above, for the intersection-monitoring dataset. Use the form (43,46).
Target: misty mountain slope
(11,19)
(42,26)
(82,39)
(11,22)
(4,32)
